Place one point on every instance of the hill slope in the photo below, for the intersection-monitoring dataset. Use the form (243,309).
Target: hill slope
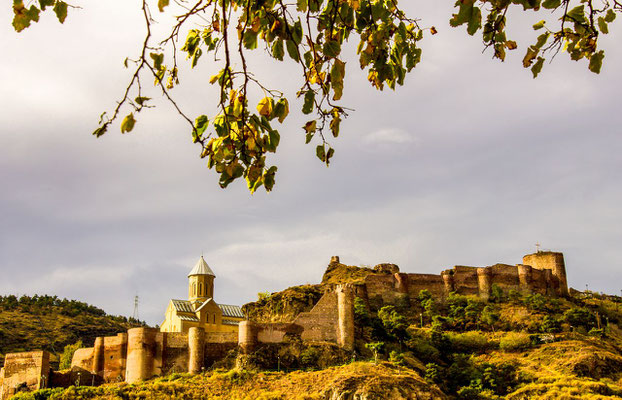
(49,323)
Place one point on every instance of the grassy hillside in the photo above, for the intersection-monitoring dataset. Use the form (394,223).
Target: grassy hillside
(360,379)
(49,323)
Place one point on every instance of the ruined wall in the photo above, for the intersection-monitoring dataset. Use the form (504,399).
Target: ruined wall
(30,370)
(320,324)
(330,320)
(83,358)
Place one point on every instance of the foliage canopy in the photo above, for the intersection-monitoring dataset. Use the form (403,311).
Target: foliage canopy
(238,135)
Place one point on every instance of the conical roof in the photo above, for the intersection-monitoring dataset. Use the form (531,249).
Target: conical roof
(201,268)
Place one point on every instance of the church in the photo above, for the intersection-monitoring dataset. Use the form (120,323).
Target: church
(200,310)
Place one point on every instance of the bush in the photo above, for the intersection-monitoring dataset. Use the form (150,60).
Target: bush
(423,349)
(309,357)
(580,317)
(515,341)
(67,356)
(469,342)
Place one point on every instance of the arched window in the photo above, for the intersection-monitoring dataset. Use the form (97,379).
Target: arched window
(214,318)
(200,289)
(194,289)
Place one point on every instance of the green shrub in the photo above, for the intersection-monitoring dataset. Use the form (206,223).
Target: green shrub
(422,348)
(515,341)
(67,356)
(469,342)
(309,357)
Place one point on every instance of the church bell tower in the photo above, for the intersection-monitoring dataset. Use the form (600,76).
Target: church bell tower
(200,283)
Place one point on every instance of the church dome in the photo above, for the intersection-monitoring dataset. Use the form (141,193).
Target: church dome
(201,268)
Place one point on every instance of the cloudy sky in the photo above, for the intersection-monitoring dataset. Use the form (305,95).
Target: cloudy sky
(471,162)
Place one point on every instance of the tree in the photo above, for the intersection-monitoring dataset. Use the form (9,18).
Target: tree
(67,356)
(375,347)
(394,323)
(238,137)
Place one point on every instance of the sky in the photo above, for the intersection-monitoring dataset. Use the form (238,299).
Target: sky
(471,162)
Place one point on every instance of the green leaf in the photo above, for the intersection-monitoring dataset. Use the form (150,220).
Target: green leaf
(268,178)
(292,50)
(334,125)
(551,4)
(301,5)
(467,14)
(60,8)
(331,48)
(250,39)
(296,31)
(539,25)
(128,123)
(278,50)
(320,152)
(200,125)
(610,16)
(273,140)
(577,14)
(162,4)
(195,57)
(329,154)
(537,67)
(337,73)
(45,3)
(308,137)
(307,106)
(281,109)
(531,54)
(602,25)
(100,131)
(542,39)
(23,16)
(596,61)
(157,60)
(141,100)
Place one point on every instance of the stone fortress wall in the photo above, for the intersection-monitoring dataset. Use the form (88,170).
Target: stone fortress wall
(330,320)
(143,353)
(543,272)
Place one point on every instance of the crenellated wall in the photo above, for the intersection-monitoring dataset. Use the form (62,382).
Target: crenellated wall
(547,276)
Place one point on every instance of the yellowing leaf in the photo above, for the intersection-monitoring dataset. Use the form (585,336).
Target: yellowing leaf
(128,123)
(310,126)
(265,107)
(162,4)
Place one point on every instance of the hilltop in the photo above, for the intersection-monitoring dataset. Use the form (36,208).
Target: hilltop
(49,323)
(511,344)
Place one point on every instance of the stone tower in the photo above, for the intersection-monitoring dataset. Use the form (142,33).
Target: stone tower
(553,261)
(200,283)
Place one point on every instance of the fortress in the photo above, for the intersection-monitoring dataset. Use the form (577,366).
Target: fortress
(191,346)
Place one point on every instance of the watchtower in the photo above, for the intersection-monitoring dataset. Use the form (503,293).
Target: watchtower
(553,261)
